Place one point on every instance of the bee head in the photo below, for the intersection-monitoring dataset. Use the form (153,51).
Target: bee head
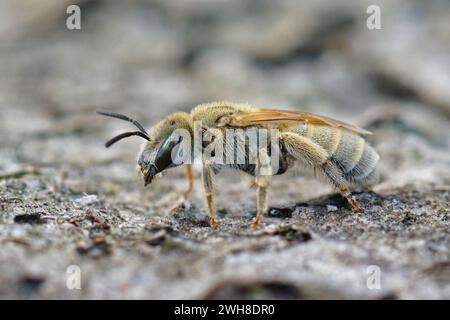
(163,150)
(154,159)
(159,151)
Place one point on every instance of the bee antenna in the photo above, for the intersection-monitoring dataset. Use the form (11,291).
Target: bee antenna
(125,135)
(124,117)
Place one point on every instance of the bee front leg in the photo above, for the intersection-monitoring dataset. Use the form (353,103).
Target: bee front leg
(263,173)
(190,177)
(208,186)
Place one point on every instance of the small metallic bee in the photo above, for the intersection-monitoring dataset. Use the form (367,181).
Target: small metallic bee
(334,149)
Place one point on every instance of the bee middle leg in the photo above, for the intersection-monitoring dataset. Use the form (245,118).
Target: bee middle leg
(208,186)
(263,173)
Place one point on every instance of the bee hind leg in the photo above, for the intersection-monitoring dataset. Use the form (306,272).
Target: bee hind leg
(350,198)
(337,179)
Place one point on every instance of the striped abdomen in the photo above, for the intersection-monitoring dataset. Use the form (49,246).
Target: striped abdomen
(350,158)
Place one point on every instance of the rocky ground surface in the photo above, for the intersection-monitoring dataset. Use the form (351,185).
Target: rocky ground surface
(65,200)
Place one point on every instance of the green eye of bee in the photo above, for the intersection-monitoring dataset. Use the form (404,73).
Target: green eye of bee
(166,144)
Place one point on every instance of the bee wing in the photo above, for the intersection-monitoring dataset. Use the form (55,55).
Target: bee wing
(273,116)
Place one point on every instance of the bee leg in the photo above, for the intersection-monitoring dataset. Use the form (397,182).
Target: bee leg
(337,179)
(350,198)
(208,186)
(190,177)
(263,172)
(261,205)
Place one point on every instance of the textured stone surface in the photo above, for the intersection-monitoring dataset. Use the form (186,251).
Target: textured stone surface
(65,200)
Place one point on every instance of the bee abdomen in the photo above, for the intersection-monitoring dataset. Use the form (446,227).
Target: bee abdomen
(348,158)
(327,137)
(349,151)
(365,172)
(356,159)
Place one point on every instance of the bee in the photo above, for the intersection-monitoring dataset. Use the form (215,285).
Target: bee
(336,150)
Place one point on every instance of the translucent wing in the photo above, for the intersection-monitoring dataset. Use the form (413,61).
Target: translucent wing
(273,116)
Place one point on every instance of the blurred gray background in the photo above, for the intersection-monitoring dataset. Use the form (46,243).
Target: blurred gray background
(65,199)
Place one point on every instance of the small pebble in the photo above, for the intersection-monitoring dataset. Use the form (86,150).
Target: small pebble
(331,208)
(88,199)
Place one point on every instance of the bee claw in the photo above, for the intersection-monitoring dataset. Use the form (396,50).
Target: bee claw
(256,225)
(173,208)
(180,203)
(186,195)
(214,223)
(356,208)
